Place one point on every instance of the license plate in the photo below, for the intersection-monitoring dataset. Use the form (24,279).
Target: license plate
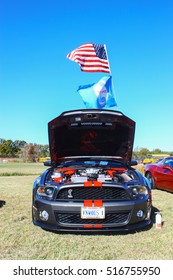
(93,212)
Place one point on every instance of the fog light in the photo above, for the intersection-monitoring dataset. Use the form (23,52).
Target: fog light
(44,216)
(140,214)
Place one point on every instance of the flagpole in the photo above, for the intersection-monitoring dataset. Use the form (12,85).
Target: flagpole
(110,70)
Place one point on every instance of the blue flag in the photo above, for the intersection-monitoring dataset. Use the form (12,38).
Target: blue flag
(98,95)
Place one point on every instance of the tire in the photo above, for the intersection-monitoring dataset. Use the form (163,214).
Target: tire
(150,178)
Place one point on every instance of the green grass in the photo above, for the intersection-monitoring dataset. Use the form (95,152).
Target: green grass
(20,239)
(19,169)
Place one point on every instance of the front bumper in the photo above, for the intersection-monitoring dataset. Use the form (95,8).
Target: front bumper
(65,216)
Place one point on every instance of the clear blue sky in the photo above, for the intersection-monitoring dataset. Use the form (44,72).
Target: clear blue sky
(38,82)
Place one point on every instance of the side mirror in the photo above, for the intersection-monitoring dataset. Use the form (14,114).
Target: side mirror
(133,162)
(167,167)
(47,163)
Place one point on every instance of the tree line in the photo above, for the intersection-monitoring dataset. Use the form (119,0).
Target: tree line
(141,153)
(21,149)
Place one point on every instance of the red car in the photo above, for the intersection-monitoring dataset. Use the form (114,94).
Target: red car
(160,174)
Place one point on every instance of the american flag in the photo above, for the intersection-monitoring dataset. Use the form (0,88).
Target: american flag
(91,58)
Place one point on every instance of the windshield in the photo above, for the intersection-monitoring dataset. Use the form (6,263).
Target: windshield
(93,163)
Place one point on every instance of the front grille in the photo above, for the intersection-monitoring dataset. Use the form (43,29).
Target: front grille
(103,193)
(74,218)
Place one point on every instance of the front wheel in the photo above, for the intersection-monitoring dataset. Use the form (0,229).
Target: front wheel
(150,178)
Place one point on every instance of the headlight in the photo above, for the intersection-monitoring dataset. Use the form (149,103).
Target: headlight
(45,191)
(138,191)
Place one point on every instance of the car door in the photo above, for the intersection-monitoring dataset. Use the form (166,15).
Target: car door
(164,175)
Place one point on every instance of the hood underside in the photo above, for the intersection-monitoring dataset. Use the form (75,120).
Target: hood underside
(91,133)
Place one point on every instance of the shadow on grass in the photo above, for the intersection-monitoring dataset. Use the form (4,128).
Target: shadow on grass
(2,203)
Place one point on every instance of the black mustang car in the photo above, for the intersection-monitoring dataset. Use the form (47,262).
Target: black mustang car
(90,185)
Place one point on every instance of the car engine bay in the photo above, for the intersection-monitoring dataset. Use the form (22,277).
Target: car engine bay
(81,175)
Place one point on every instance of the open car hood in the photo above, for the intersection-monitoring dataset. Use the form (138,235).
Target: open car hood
(91,133)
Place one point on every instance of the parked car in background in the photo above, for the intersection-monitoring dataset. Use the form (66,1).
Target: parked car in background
(152,158)
(160,174)
(43,159)
(148,159)
(90,184)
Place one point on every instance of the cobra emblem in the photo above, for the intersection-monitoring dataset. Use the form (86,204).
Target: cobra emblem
(70,193)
